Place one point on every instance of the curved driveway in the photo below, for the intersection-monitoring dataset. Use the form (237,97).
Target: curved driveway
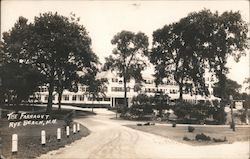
(109,139)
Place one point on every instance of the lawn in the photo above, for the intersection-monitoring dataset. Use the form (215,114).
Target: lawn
(177,133)
(29,137)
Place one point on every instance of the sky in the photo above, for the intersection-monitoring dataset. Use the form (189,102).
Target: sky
(104,19)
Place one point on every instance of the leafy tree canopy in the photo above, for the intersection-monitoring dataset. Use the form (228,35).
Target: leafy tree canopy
(56,45)
(19,82)
(128,58)
(231,88)
(202,40)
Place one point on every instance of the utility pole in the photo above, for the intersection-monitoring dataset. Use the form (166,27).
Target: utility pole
(232,116)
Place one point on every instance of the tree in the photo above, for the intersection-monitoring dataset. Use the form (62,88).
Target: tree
(128,57)
(174,57)
(96,87)
(67,79)
(19,82)
(231,88)
(160,102)
(202,40)
(51,44)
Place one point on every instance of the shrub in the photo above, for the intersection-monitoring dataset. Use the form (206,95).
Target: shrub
(219,114)
(199,111)
(139,124)
(202,137)
(141,105)
(186,138)
(174,125)
(190,129)
(147,124)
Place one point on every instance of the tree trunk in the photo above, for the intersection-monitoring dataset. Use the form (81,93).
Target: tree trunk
(60,90)
(125,92)
(181,91)
(160,111)
(59,99)
(50,98)
(16,104)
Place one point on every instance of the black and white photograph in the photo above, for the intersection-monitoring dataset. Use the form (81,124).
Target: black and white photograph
(125,79)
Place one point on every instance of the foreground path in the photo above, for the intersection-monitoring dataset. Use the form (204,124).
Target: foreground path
(110,140)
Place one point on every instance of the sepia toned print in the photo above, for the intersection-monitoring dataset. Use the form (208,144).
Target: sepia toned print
(124,79)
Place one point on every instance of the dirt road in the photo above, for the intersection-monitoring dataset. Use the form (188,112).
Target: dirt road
(110,140)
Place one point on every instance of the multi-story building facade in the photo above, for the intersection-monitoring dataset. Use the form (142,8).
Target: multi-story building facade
(114,91)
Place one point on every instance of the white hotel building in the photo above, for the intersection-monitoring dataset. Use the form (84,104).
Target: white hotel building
(114,91)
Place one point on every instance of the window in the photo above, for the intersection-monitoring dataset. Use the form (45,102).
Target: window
(173,91)
(74,97)
(106,99)
(43,89)
(66,97)
(105,79)
(99,99)
(149,81)
(81,97)
(114,80)
(82,89)
(46,97)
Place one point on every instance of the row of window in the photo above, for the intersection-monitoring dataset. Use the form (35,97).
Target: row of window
(146,90)
(115,80)
(172,83)
(43,89)
(119,89)
(66,98)
(153,90)
(76,98)
(99,99)
(81,89)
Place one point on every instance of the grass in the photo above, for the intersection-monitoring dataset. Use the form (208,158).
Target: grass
(29,139)
(177,133)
